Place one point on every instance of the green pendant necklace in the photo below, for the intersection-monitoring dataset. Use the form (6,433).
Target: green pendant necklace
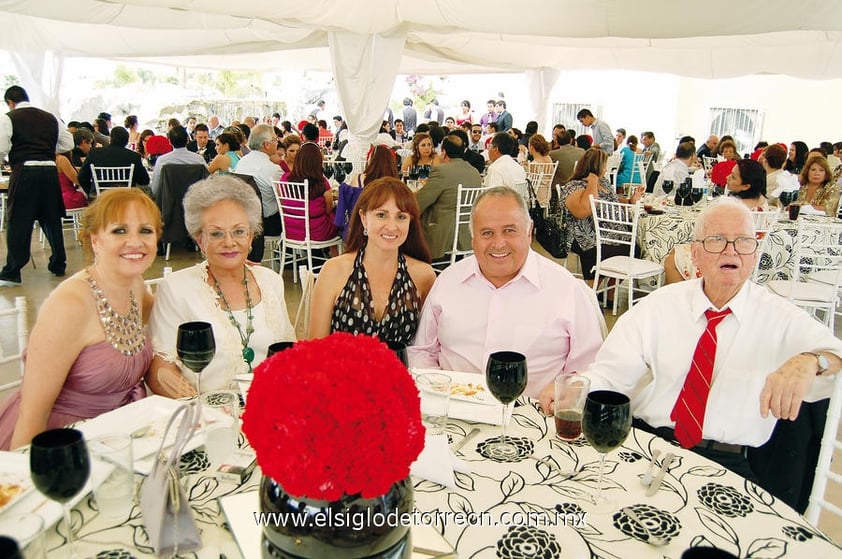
(248,352)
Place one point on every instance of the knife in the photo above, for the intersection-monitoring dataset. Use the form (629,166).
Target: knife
(659,478)
(458,446)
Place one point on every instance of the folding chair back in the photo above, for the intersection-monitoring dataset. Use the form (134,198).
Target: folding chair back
(465,198)
(11,362)
(112,177)
(824,474)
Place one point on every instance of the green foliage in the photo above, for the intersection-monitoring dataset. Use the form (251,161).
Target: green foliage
(9,80)
(421,89)
(124,75)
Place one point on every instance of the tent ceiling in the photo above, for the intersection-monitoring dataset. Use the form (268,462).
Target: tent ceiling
(712,40)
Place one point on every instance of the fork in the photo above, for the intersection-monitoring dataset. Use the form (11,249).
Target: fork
(646,480)
(651,538)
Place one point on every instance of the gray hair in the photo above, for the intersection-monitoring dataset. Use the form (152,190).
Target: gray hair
(719,204)
(260,134)
(219,188)
(500,192)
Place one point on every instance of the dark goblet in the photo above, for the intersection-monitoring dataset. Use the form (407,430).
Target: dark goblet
(328,170)
(667,186)
(606,422)
(506,377)
(414,173)
(278,347)
(60,466)
(196,347)
(696,194)
(339,173)
(786,198)
(400,350)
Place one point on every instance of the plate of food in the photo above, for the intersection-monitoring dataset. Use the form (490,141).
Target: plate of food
(466,387)
(13,487)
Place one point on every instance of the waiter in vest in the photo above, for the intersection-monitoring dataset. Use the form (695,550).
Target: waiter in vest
(32,137)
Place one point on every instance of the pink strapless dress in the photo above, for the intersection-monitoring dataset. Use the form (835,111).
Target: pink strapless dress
(101,379)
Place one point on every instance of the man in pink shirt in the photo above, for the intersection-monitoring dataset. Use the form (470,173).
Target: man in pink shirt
(507,297)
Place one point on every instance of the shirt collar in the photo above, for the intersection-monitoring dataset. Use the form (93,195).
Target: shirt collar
(738,304)
(529,272)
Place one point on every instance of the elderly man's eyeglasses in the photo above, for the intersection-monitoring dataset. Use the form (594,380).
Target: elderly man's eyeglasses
(218,235)
(716,244)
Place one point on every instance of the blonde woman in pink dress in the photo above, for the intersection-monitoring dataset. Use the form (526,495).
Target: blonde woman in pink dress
(88,350)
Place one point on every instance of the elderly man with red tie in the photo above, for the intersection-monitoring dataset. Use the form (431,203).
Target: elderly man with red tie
(713,362)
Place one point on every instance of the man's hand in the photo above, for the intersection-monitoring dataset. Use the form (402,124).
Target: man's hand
(545,398)
(786,387)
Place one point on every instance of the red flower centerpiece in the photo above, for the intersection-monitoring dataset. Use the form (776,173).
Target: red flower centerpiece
(335,424)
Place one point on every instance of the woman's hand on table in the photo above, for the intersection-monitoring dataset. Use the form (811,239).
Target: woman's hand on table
(170,382)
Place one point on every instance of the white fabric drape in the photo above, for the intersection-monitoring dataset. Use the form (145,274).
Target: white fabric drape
(541,82)
(38,69)
(365,67)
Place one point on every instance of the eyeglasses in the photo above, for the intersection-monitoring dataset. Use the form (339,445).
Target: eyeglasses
(218,235)
(716,244)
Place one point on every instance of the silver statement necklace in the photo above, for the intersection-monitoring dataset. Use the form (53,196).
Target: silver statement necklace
(248,352)
(123,332)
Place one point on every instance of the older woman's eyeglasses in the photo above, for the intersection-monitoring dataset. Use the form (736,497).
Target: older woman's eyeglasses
(716,244)
(218,235)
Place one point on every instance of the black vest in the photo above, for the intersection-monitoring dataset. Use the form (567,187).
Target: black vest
(34,135)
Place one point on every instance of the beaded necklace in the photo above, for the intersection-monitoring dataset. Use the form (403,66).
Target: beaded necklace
(248,352)
(123,332)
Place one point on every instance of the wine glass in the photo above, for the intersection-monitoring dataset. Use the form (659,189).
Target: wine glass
(505,375)
(196,347)
(696,194)
(606,423)
(414,173)
(400,350)
(786,198)
(278,347)
(60,467)
(667,186)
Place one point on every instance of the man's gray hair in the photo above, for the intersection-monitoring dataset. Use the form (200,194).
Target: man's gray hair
(219,188)
(259,134)
(500,192)
(717,204)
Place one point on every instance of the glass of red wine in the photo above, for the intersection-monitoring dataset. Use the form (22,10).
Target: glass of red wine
(60,466)
(196,347)
(505,374)
(278,347)
(400,350)
(606,423)
(667,186)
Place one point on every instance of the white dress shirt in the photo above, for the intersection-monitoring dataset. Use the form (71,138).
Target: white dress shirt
(505,171)
(265,173)
(541,313)
(63,144)
(658,336)
(675,171)
(185,295)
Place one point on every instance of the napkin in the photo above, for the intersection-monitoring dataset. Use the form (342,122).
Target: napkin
(437,462)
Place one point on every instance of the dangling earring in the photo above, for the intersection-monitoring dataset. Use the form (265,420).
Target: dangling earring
(365,232)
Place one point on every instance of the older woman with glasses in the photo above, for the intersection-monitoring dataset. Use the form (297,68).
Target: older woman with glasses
(244,303)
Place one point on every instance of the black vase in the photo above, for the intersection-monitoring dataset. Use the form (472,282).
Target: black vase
(349,528)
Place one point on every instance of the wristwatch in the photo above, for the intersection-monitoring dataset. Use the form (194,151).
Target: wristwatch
(821,361)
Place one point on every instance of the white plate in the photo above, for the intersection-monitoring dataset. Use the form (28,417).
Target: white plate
(154,412)
(483,409)
(15,463)
(13,487)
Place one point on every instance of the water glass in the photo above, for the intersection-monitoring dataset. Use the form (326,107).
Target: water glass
(221,418)
(571,391)
(435,400)
(115,495)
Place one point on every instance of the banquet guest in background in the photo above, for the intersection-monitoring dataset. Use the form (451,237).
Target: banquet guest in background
(449,123)
(292,144)
(381,163)
(87,352)
(709,148)
(656,338)
(190,126)
(101,132)
(796,157)
(475,158)
(437,199)
(676,170)
(816,187)
(539,149)
(84,141)
(476,144)
(650,146)
(518,152)
(556,139)
(201,143)
(309,167)
(214,127)
(619,138)
(399,133)
(589,180)
(258,164)
(379,285)
(628,172)
(422,153)
(32,137)
(434,112)
(602,137)
(584,142)
(172,123)
(748,183)
(178,156)
(243,302)
(778,181)
(567,155)
(115,154)
(721,170)
(503,169)
(504,119)
(71,193)
(410,116)
(470,311)
(226,157)
(490,114)
(141,143)
(467,115)
(131,125)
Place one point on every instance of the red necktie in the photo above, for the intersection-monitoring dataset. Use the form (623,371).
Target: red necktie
(689,410)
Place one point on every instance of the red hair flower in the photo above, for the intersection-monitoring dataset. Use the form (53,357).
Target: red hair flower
(334,416)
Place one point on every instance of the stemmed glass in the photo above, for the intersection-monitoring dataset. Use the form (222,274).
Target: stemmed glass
(196,347)
(696,194)
(606,423)
(60,467)
(786,198)
(667,186)
(505,374)
(400,350)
